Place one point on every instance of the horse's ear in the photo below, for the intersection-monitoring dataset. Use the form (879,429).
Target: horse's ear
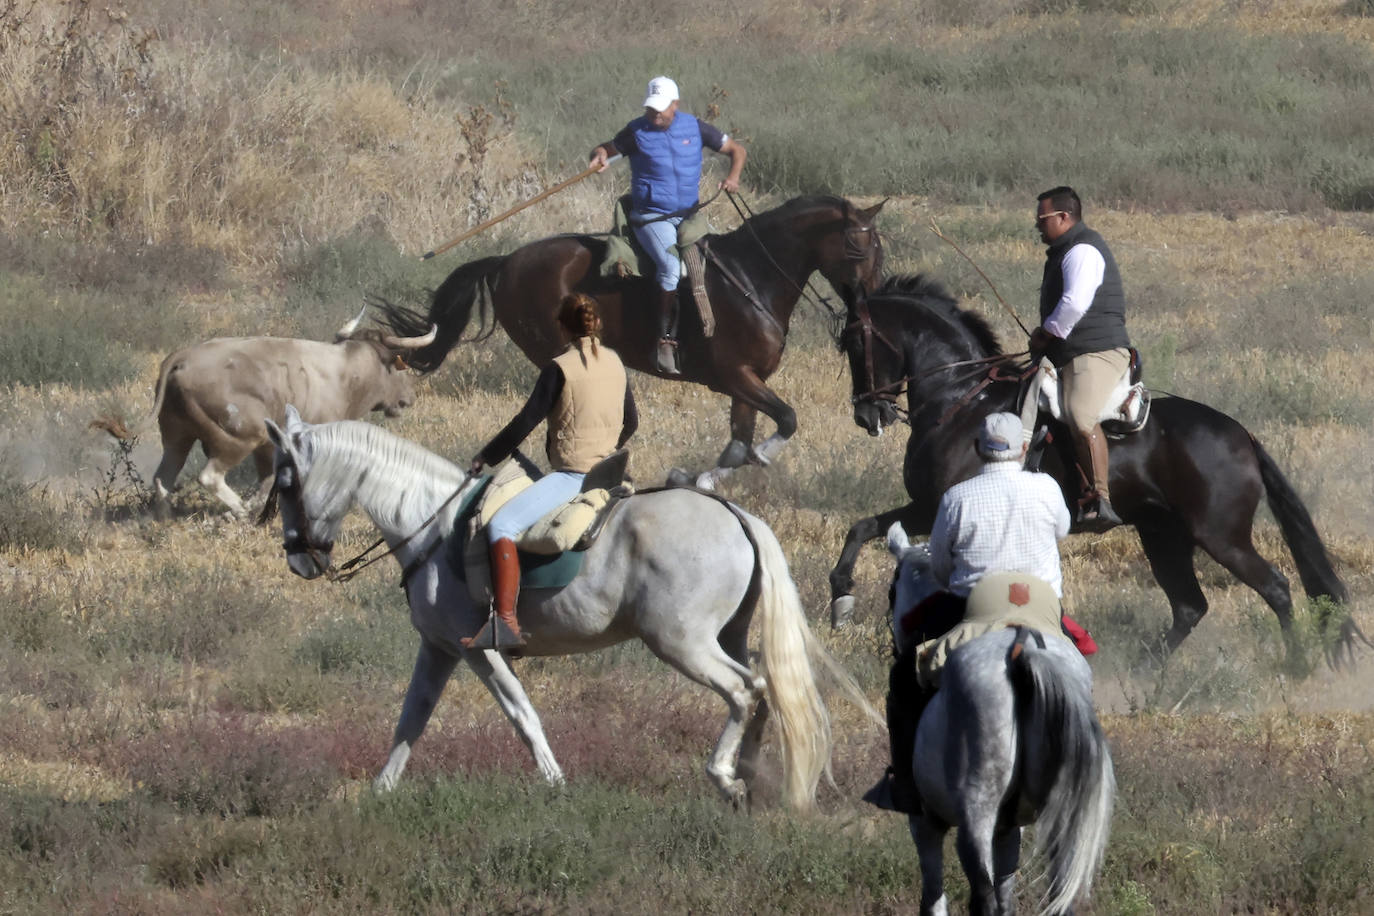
(872,212)
(294,423)
(897,541)
(274,432)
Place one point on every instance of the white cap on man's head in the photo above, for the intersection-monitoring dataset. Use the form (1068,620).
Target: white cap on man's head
(662,93)
(999,438)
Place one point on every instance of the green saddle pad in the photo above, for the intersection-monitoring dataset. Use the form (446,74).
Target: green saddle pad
(537,570)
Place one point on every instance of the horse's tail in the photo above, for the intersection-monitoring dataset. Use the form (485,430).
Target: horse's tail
(789,651)
(786,645)
(1319,579)
(1075,816)
(450,309)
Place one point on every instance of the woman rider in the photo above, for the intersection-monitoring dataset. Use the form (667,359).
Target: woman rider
(586,398)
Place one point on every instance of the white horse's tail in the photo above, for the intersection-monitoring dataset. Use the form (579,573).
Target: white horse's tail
(788,650)
(1075,818)
(785,641)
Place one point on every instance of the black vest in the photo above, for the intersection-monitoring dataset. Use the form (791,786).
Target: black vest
(1103,325)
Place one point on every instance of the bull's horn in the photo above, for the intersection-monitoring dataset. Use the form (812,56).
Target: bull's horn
(345,332)
(411,343)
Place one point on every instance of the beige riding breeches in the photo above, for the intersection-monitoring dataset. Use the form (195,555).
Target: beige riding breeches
(1088,382)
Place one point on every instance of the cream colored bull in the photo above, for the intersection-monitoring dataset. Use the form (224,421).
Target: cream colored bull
(220,392)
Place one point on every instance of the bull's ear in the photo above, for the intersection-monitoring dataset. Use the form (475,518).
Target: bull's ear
(897,541)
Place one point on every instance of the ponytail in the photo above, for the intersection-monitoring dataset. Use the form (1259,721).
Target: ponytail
(579,316)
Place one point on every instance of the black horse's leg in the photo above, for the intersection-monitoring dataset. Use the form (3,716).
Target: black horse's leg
(1235,551)
(842,576)
(1170,552)
(742,420)
(1006,857)
(930,847)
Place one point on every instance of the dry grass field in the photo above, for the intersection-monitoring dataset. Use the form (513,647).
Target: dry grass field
(184,725)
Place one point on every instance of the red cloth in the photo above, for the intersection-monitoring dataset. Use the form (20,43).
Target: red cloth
(1081,637)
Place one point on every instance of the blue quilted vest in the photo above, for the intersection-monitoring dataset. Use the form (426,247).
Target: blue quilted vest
(665,172)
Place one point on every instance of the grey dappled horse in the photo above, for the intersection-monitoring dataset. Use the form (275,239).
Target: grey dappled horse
(1005,743)
(678,569)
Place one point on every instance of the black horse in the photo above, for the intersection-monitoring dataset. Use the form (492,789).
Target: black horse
(754,278)
(1191,478)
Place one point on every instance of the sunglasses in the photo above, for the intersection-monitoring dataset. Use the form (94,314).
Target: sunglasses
(1044,216)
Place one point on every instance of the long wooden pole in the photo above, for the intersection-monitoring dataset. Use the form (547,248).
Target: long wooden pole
(591,170)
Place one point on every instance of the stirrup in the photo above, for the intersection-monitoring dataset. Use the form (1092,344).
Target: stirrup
(1097,515)
(500,636)
(665,356)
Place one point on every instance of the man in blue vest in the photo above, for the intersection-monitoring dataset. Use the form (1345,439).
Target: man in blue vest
(1083,332)
(664,147)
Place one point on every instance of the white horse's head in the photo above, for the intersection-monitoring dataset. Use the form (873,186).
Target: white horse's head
(308,529)
(911,580)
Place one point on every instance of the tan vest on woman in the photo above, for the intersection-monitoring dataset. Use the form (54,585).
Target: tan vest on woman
(590,412)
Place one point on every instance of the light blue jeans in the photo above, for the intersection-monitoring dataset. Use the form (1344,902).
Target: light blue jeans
(533,503)
(659,239)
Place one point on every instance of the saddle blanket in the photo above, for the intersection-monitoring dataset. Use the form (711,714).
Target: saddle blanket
(998,600)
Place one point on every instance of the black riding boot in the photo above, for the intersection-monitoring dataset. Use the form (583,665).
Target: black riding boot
(665,351)
(906,701)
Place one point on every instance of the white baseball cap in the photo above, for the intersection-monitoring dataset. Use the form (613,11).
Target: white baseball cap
(999,438)
(662,93)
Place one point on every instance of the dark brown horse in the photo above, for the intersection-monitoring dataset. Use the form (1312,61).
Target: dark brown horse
(754,278)
(1193,477)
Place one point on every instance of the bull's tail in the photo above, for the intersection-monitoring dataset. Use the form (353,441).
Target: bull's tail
(115,425)
(1075,817)
(1319,579)
(450,309)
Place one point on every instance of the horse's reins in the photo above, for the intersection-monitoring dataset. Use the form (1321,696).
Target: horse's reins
(852,252)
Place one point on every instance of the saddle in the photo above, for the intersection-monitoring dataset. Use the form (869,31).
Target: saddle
(998,600)
(1127,409)
(625,256)
(551,550)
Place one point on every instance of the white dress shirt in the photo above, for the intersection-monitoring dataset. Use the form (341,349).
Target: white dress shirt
(1005,519)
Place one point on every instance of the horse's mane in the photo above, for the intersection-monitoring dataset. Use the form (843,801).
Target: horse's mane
(385,469)
(932,295)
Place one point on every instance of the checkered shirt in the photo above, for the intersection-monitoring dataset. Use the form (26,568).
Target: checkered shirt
(1003,520)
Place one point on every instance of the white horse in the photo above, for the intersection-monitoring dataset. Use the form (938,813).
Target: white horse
(1011,739)
(680,570)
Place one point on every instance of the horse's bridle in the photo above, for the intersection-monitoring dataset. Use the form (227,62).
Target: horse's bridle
(868,332)
(286,485)
(854,250)
(301,542)
(890,392)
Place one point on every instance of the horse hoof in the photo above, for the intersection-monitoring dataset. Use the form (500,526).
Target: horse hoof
(677,477)
(709,480)
(841,612)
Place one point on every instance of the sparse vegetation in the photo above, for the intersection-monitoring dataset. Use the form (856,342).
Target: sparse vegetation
(186,726)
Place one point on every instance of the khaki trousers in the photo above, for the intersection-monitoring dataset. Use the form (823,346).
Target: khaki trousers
(1088,381)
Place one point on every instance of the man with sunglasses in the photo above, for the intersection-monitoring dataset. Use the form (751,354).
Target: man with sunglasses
(1083,333)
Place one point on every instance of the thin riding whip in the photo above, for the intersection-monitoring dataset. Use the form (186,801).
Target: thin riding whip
(590,170)
(1014,317)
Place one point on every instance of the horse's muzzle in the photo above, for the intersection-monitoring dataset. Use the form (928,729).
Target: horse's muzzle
(874,416)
